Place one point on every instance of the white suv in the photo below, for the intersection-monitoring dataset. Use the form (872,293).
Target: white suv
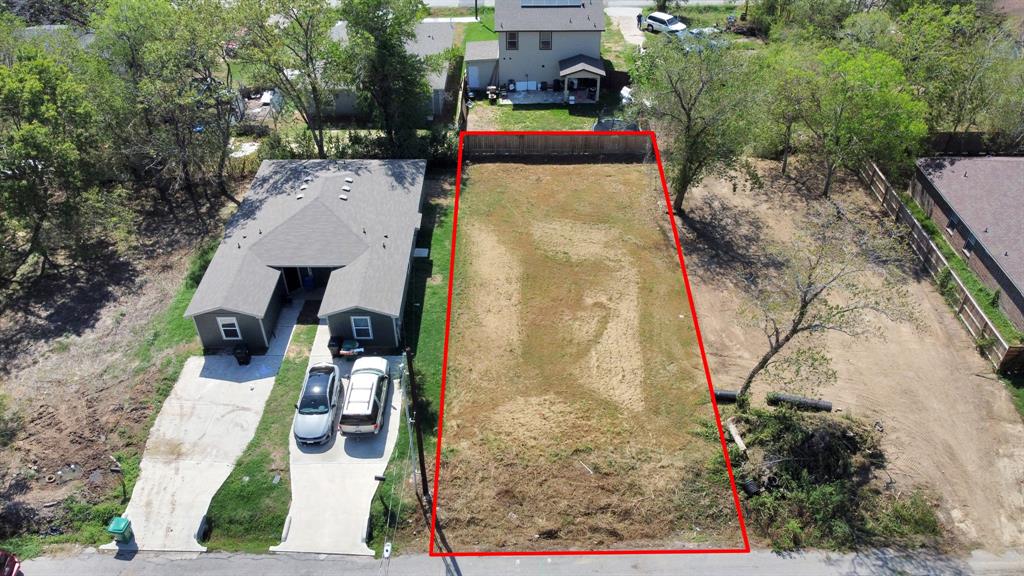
(661,22)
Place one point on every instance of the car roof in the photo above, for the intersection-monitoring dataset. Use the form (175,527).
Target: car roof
(359,400)
(660,15)
(317,383)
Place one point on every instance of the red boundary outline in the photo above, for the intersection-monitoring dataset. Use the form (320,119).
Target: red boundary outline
(700,344)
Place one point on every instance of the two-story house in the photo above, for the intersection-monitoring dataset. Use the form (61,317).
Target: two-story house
(552,44)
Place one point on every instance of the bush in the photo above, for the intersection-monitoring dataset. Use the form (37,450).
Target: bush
(10,422)
(817,470)
(199,262)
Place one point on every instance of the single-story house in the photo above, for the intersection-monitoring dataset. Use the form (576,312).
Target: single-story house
(549,41)
(431,38)
(978,202)
(342,228)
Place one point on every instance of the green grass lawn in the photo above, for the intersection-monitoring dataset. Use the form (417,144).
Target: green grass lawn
(248,512)
(1015,385)
(482,30)
(170,339)
(554,116)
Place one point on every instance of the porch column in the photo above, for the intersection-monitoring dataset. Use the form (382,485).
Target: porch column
(597,95)
(565,90)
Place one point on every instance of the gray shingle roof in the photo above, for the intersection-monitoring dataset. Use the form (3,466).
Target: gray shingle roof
(431,38)
(987,193)
(367,239)
(510,15)
(481,50)
(580,63)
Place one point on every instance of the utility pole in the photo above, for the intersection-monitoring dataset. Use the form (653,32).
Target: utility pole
(414,392)
(476,9)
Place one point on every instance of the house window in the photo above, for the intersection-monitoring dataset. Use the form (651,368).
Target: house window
(361,328)
(229,328)
(969,247)
(545,40)
(512,41)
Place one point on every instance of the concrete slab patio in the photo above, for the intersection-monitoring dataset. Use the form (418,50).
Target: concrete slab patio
(203,427)
(333,485)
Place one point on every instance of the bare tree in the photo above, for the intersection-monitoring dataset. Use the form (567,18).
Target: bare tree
(839,276)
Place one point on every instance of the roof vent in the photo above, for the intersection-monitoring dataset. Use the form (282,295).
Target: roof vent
(346,188)
(303,187)
(307,179)
(300,196)
(343,197)
(348,179)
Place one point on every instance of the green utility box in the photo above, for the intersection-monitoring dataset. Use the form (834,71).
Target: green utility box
(121,529)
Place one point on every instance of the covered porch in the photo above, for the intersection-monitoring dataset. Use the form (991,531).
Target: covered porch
(581,78)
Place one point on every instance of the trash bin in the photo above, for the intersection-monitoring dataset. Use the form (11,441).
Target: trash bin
(242,354)
(334,346)
(120,528)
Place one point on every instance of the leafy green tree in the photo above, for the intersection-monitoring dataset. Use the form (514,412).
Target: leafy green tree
(289,46)
(954,57)
(788,92)
(698,99)
(391,83)
(47,130)
(857,109)
(168,93)
(1006,118)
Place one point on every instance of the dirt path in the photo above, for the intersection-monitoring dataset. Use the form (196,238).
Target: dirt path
(78,396)
(949,424)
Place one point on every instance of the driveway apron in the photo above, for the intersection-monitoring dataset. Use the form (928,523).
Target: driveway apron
(333,485)
(203,427)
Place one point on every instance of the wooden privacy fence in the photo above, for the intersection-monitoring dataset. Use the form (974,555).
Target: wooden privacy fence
(1003,356)
(583,145)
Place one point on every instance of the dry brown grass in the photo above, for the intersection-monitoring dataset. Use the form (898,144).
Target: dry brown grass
(574,383)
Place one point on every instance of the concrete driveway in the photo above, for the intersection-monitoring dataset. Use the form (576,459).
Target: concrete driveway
(203,427)
(333,485)
(625,19)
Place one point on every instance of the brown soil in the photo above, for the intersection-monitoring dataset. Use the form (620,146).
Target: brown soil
(573,387)
(68,353)
(949,425)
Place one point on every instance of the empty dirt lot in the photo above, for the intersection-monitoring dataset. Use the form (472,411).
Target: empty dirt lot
(949,426)
(576,413)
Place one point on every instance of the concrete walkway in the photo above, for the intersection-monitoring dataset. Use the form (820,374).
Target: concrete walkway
(333,485)
(625,19)
(203,427)
(453,20)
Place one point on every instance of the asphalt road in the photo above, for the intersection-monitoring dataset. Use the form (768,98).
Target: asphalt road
(608,3)
(759,563)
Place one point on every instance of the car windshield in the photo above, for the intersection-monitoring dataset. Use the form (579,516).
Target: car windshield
(672,21)
(314,399)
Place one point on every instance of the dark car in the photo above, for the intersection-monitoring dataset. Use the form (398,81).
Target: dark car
(9,564)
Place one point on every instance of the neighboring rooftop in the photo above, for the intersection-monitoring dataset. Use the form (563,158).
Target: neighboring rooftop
(431,38)
(481,50)
(987,193)
(548,15)
(295,215)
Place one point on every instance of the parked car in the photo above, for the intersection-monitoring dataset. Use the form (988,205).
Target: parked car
(661,22)
(364,407)
(317,405)
(9,564)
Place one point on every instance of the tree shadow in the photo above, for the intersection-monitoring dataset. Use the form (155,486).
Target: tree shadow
(729,240)
(882,561)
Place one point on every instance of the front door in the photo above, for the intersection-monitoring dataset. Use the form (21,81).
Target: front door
(474,76)
(292,281)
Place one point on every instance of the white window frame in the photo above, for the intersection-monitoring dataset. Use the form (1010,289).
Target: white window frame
(356,329)
(222,320)
(551,40)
